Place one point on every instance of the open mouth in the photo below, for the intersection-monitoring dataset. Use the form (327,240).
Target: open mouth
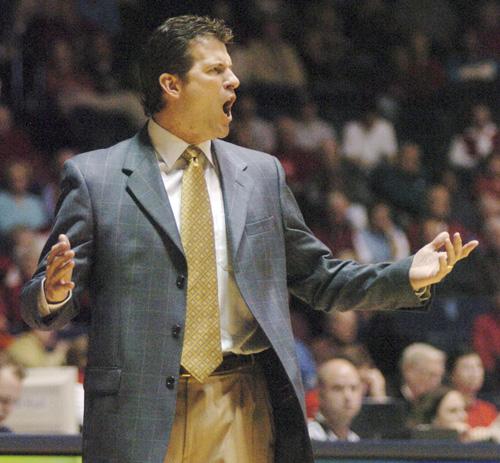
(226,107)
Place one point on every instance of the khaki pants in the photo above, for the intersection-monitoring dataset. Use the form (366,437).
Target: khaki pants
(227,419)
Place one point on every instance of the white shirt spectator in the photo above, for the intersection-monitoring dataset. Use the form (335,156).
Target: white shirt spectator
(367,146)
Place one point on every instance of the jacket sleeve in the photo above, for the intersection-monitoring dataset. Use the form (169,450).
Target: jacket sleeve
(326,283)
(74,218)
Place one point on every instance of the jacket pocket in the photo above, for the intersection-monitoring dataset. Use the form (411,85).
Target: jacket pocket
(102,380)
(261,226)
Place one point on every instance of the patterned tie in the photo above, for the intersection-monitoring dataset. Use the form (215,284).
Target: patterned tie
(201,351)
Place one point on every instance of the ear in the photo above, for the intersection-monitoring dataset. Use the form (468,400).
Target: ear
(170,84)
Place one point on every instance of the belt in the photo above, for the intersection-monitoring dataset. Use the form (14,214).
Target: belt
(229,363)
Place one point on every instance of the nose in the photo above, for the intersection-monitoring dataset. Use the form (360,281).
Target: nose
(232,82)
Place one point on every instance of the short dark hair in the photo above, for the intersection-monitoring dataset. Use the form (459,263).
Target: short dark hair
(167,50)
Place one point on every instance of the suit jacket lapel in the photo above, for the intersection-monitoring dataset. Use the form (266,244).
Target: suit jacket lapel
(146,186)
(236,188)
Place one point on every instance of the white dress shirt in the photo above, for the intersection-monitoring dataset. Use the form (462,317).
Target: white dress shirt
(240,332)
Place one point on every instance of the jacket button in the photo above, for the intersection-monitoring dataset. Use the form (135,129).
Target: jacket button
(176,331)
(181,279)
(170,382)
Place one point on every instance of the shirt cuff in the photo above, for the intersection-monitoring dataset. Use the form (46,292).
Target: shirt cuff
(44,307)
(424,294)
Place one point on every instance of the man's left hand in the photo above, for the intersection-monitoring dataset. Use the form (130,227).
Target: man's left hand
(430,265)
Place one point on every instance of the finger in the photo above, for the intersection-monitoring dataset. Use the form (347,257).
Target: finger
(450,251)
(468,248)
(443,265)
(60,260)
(65,272)
(457,245)
(57,250)
(64,239)
(439,241)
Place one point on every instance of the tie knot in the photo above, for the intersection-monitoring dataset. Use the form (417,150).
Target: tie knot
(193,154)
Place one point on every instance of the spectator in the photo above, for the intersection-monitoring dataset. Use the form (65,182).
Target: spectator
(15,145)
(11,379)
(442,408)
(382,240)
(369,140)
(274,61)
(37,348)
(445,408)
(337,228)
(402,184)
(340,399)
(476,142)
(487,187)
(422,368)
(261,133)
(17,205)
(311,130)
(51,191)
(337,172)
(340,338)
(25,248)
(486,342)
(466,373)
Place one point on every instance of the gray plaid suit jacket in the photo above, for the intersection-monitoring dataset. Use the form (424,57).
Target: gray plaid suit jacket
(129,256)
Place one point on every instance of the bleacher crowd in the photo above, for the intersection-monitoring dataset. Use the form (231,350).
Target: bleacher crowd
(384,114)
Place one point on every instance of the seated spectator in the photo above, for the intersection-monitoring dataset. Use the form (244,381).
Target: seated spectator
(11,382)
(369,140)
(442,408)
(37,348)
(24,252)
(486,342)
(382,240)
(490,254)
(337,172)
(340,399)
(274,61)
(422,369)
(341,219)
(17,205)
(261,133)
(466,373)
(476,142)
(403,184)
(487,186)
(340,338)
(51,191)
(311,130)
(15,144)
(445,409)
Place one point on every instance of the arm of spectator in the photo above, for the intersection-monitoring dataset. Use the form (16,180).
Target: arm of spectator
(374,381)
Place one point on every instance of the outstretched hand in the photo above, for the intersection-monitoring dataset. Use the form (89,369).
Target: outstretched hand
(430,265)
(59,272)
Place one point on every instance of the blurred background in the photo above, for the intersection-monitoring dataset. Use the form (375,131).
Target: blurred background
(384,114)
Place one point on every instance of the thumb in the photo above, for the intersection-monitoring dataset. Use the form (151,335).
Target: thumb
(439,240)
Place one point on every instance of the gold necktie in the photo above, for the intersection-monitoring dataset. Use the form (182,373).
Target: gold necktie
(201,351)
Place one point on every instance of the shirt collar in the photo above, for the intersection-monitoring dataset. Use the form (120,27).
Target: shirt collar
(170,147)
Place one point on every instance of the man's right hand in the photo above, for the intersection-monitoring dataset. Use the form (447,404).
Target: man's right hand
(59,272)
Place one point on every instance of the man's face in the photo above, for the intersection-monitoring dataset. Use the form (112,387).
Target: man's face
(340,392)
(10,391)
(207,92)
(424,377)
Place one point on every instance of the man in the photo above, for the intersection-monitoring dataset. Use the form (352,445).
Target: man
(422,369)
(118,227)
(340,398)
(11,382)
